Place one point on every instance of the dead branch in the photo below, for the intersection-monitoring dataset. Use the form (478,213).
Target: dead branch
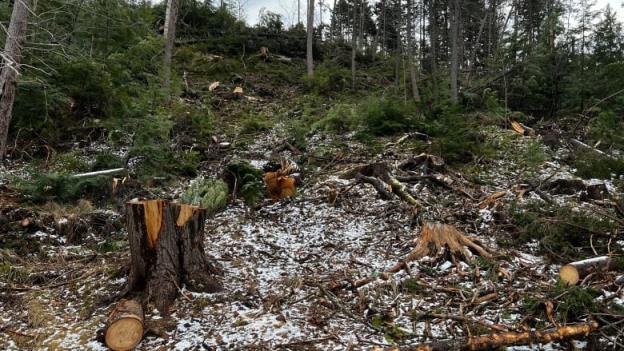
(494,341)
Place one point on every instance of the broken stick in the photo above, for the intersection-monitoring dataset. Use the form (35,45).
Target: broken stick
(495,341)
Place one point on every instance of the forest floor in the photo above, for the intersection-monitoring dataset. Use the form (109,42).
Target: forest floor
(281,258)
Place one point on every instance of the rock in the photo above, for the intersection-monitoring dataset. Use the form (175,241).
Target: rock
(565,186)
(595,192)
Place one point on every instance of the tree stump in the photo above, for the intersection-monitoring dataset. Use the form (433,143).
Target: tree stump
(124,329)
(166,250)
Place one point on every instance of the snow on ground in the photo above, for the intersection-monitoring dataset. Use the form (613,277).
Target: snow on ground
(278,262)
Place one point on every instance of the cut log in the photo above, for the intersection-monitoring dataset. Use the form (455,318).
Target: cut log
(572,273)
(495,341)
(125,325)
(166,250)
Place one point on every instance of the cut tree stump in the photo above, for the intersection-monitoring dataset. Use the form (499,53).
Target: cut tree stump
(437,237)
(572,273)
(166,250)
(124,329)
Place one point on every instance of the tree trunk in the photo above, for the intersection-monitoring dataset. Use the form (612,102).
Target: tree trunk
(397,52)
(124,329)
(411,52)
(454,37)
(171,17)
(433,37)
(16,36)
(354,44)
(309,46)
(166,250)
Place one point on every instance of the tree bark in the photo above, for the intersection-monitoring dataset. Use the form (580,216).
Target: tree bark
(171,18)
(12,55)
(310,37)
(433,37)
(124,329)
(411,52)
(354,44)
(166,250)
(454,38)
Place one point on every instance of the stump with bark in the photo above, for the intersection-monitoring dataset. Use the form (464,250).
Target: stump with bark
(166,247)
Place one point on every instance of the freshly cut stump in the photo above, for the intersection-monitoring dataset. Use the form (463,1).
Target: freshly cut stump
(124,329)
(436,237)
(166,251)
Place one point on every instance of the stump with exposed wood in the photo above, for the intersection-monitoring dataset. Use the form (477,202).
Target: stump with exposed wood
(124,329)
(166,248)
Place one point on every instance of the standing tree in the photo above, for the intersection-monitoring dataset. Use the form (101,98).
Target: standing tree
(310,37)
(11,57)
(411,51)
(454,38)
(171,17)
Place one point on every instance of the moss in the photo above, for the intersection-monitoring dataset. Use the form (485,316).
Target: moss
(412,286)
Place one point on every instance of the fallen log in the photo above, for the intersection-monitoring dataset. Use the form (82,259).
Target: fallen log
(573,272)
(495,341)
(124,329)
(166,250)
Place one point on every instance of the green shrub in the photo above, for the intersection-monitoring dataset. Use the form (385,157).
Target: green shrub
(70,162)
(45,187)
(210,194)
(455,137)
(608,128)
(255,123)
(533,156)
(563,233)
(244,179)
(590,165)
(386,116)
(107,160)
(328,78)
(339,119)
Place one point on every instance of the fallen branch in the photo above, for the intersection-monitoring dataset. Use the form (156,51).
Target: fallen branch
(99,173)
(495,341)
